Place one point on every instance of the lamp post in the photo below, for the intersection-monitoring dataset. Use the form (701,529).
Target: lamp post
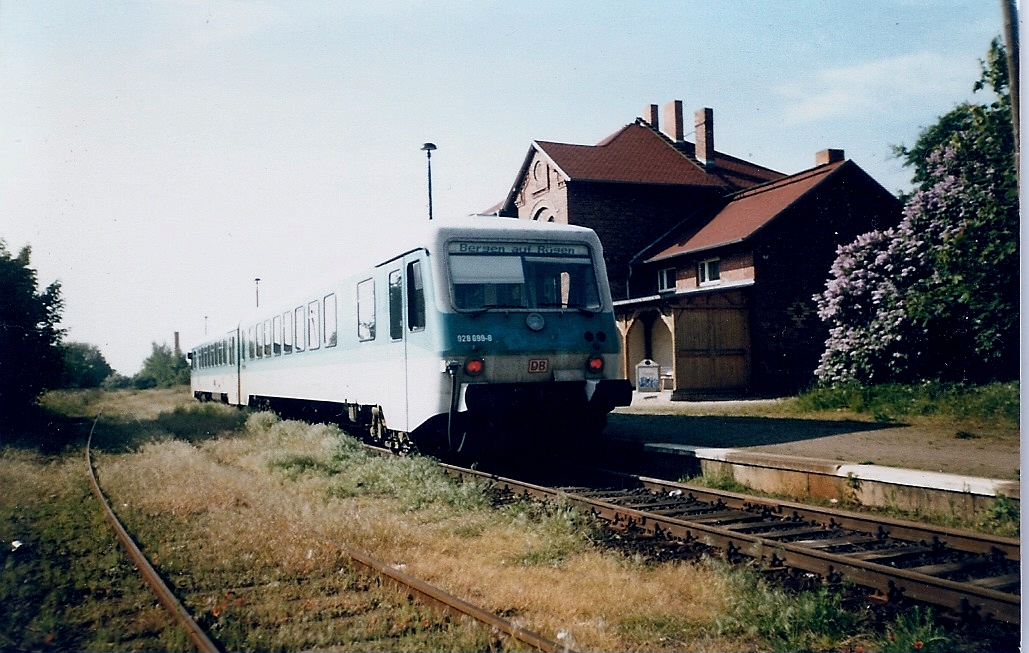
(257,291)
(428,148)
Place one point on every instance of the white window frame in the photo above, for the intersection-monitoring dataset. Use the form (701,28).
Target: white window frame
(704,272)
(663,276)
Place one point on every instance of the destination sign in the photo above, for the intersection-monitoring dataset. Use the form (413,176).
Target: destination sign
(520,249)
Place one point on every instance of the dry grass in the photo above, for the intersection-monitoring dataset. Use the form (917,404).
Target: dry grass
(241,520)
(259,509)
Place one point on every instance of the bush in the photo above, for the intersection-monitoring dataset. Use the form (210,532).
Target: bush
(936,298)
(990,402)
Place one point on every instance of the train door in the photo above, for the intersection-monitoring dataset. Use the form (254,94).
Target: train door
(395,390)
(421,364)
(409,344)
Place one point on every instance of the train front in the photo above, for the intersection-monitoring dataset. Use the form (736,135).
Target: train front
(530,338)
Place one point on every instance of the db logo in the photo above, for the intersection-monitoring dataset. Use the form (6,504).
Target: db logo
(537,365)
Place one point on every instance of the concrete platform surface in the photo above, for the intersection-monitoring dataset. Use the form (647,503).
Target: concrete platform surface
(654,418)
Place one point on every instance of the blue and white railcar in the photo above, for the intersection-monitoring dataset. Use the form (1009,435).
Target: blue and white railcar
(472,325)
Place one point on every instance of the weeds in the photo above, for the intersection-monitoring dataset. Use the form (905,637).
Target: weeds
(809,621)
(995,402)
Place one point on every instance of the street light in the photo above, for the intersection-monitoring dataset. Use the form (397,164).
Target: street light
(257,291)
(428,148)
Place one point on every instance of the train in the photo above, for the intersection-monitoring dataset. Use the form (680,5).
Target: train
(471,334)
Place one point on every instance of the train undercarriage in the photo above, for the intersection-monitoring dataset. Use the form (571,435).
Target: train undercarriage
(500,420)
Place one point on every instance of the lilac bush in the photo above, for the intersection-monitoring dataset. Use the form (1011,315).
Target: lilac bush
(907,303)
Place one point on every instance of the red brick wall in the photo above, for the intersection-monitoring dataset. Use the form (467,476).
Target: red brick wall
(628,217)
(792,257)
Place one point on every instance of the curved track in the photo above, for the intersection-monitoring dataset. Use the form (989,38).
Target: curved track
(195,633)
(973,575)
(415,588)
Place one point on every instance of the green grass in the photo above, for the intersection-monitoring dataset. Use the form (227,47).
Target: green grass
(992,403)
(64,581)
(818,620)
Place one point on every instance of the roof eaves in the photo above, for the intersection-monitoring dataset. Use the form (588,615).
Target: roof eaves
(698,250)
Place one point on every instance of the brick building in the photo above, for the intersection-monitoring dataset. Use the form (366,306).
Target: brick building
(713,261)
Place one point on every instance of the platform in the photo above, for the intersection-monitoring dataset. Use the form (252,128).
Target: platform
(895,465)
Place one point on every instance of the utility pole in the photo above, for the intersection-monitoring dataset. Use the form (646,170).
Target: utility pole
(1010,12)
(257,291)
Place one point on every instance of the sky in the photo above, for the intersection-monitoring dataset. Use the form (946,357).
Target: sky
(159,156)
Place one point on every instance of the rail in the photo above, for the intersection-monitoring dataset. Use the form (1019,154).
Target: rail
(971,574)
(196,634)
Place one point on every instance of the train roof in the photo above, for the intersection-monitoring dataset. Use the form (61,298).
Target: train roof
(430,234)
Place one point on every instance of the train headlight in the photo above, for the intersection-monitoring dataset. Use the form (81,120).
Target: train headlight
(595,364)
(474,366)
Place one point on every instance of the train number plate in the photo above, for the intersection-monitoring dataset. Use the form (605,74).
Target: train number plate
(538,365)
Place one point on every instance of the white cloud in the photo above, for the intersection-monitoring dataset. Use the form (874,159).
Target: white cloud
(887,85)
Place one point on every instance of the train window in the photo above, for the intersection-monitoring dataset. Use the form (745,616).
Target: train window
(314,318)
(267,338)
(301,329)
(277,335)
(396,306)
(366,310)
(232,350)
(528,276)
(250,343)
(260,339)
(329,334)
(287,332)
(415,297)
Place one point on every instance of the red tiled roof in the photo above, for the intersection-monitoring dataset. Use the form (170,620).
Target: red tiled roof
(638,153)
(748,211)
(633,154)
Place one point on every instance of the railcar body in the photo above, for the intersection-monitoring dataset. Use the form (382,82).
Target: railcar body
(474,326)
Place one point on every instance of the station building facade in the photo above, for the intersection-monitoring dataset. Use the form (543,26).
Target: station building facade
(713,261)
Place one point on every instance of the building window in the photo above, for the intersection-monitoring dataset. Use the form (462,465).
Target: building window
(707,272)
(543,214)
(666,280)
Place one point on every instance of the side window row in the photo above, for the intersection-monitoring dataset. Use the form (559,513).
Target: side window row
(310,326)
(214,354)
(315,324)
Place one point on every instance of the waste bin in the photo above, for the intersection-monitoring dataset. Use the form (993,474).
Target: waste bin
(648,376)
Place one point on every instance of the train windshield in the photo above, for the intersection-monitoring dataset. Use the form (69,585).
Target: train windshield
(522,276)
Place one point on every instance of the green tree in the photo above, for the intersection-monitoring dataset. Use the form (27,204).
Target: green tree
(164,368)
(84,366)
(30,353)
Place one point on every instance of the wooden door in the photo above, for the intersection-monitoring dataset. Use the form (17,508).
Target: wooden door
(712,337)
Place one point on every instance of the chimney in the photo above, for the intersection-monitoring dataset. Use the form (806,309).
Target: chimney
(650,115)
(673,121)
(704,121)
(826,157)
(177,350)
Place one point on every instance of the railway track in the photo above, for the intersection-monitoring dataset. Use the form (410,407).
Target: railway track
(413,587)
(972,575)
